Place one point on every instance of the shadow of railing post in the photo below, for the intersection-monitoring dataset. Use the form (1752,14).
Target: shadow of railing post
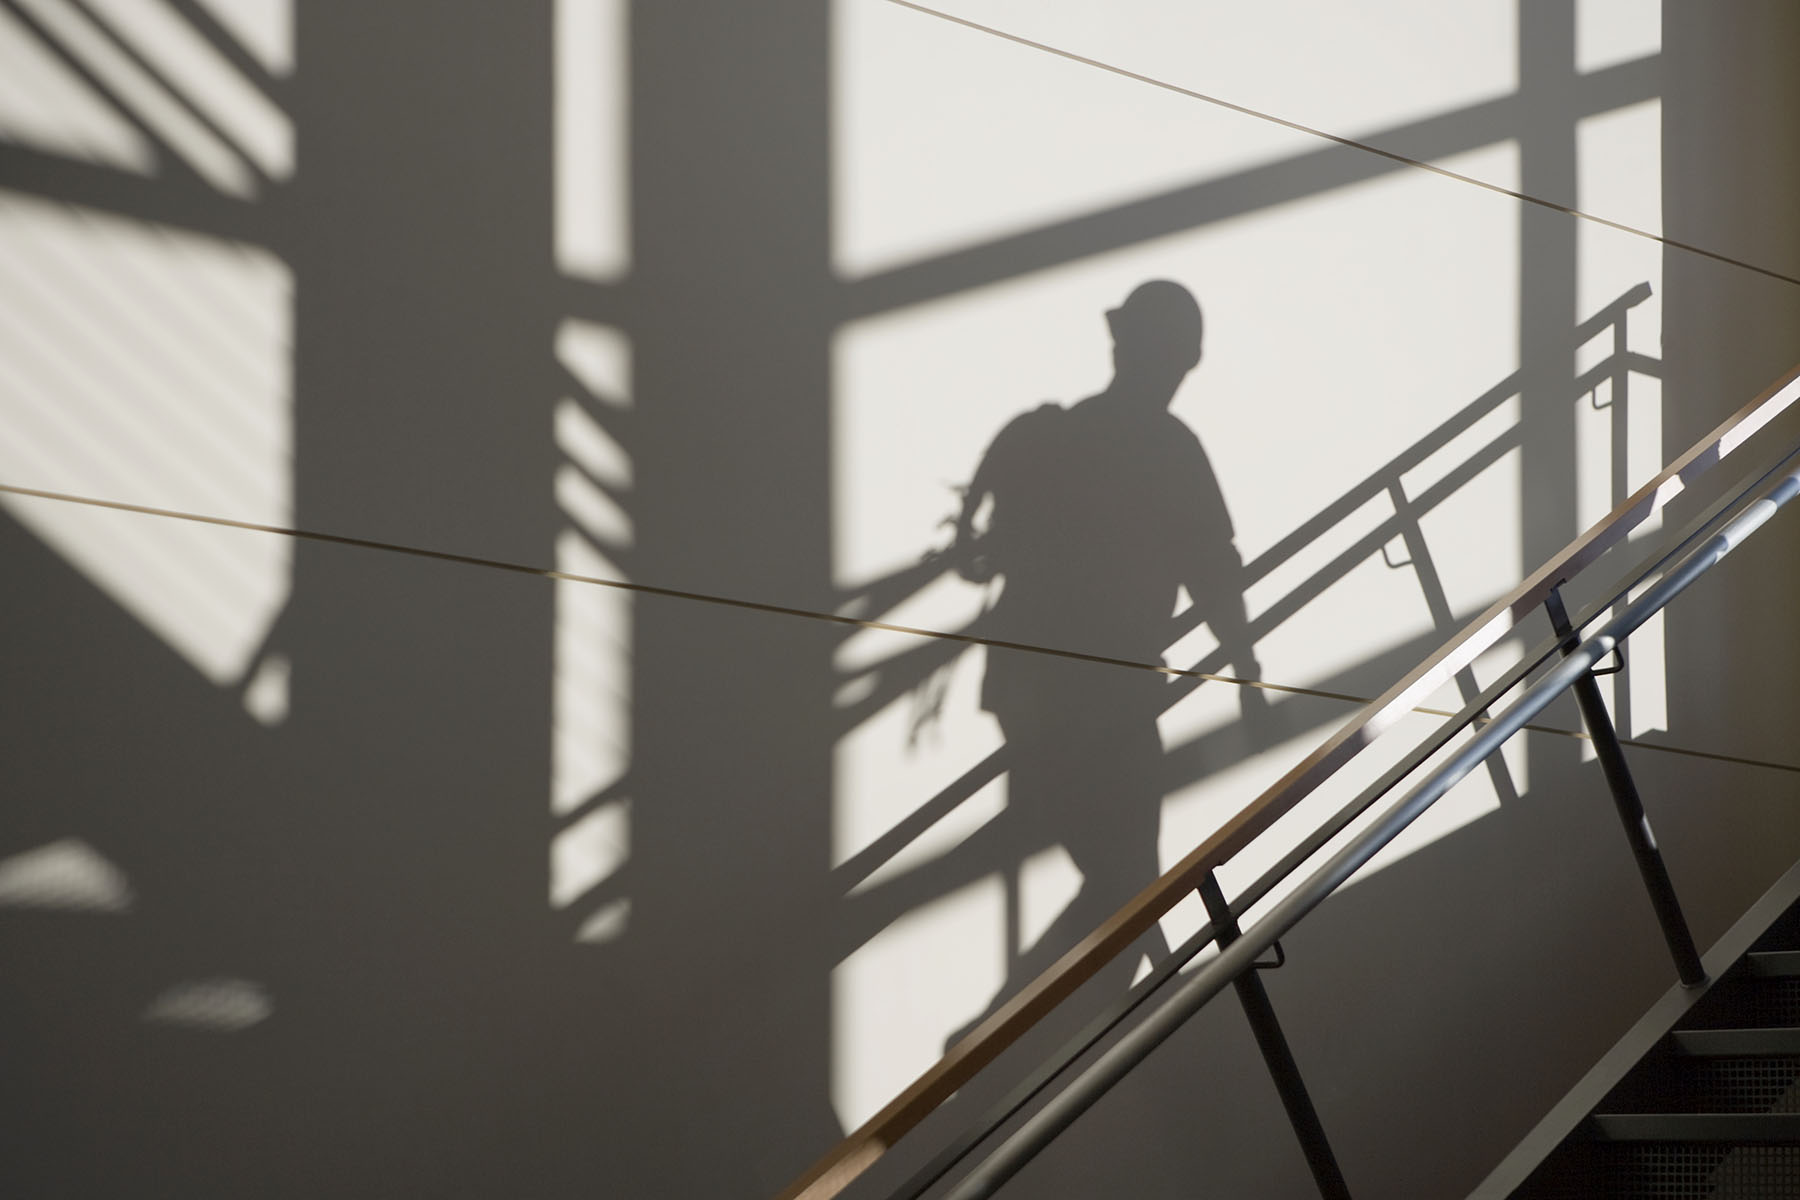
(895,676)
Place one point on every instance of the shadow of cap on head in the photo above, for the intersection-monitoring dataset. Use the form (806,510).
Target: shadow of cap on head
(1160,306)
(1161,313)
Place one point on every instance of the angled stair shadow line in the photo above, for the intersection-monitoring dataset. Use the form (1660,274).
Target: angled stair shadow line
(1569,1113)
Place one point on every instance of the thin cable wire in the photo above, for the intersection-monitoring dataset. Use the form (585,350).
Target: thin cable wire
(497,564)
(1340,140)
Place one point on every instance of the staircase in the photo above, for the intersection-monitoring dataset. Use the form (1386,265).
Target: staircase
(1713,1111)
(1714,1098)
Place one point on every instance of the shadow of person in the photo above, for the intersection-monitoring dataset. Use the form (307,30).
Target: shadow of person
(1093,518)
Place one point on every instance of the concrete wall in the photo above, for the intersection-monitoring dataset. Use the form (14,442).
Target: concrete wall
(364,839)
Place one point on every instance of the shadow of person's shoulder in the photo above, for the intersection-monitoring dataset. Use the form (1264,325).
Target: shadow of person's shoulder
(1027,437)
(1036,421)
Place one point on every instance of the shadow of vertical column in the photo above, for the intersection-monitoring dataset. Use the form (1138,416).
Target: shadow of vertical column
(723,1050)
(1548,289)
(1730,173)
(411,854)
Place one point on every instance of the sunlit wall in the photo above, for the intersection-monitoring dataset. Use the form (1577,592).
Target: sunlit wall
(499,703)
(1361,397)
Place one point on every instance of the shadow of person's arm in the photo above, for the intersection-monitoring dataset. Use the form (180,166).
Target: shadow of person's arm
(1216,583)
(1230,624)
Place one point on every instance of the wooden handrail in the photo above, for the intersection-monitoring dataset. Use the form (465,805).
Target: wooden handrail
(859,1150)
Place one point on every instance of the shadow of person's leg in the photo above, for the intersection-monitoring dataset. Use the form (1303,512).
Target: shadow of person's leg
(1094,791)
(997,845)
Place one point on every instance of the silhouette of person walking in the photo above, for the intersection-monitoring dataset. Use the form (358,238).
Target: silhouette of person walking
(1096,516)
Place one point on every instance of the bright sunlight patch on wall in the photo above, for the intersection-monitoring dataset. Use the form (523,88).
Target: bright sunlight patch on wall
(592,85)
(151,366)
(591,700)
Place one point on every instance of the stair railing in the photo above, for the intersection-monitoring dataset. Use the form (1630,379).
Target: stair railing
(1704,541)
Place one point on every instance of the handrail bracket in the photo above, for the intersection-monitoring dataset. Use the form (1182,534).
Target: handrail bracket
(1630,807)
(1275,1051)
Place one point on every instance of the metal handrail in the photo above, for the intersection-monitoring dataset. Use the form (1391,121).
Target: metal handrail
(1239,957)
(855,1153)
(1702,527)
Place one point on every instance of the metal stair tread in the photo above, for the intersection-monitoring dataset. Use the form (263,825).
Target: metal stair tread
(1773,964)
(1724,1042)
(1696,1127)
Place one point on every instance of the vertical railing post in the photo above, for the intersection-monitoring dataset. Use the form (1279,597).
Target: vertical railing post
(1631,809)
(1273,1044)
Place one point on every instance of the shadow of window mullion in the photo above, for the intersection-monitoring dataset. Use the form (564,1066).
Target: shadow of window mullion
(167,160)
(208,29)
(176,93)
(185,146)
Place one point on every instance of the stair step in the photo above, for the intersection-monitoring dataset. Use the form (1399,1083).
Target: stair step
(1721,1042)
(1697,1127)
(1773,964)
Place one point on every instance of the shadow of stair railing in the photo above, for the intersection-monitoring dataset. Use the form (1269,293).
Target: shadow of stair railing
(1341,530)
(1695,549)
